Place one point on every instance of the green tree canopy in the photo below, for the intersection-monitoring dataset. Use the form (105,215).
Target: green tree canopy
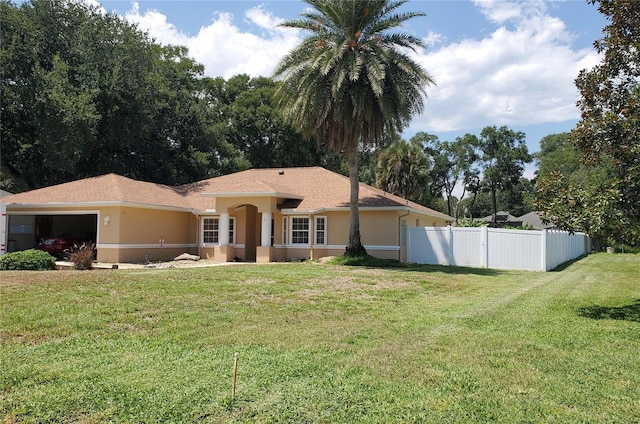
(257,128)
(503,155)
(455,165)
(86,93)
(557,153)
(603,198)
(517,200)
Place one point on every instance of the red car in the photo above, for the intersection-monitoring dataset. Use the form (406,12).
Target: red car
(56,246)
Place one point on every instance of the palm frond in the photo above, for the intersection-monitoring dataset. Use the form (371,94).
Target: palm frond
(349,81)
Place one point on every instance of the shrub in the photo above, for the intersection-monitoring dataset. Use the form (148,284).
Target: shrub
(524,226)
(32,260)
(82,255)
(470,222)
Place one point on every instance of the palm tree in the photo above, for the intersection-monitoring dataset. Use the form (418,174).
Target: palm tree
(403,170)
(350,81)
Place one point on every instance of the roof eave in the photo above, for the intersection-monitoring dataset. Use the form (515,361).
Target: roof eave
(289,211)
(253,194)
(68,205)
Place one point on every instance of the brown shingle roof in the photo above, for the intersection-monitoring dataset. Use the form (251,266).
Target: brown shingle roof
(310,188)
(109,188)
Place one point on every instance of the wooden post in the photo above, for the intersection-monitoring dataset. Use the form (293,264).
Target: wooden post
(235,374)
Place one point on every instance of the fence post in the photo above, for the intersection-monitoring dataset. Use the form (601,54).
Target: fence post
(450,245)
(543,251)
(484,248)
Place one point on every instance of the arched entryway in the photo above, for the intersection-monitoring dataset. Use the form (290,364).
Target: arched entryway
(245,230)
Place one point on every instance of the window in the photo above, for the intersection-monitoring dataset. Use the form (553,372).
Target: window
(321,230)
(299,230)
(210,228)
(285,230)
(232,231)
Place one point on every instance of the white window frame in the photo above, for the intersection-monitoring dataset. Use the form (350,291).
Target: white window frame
(216,231)
(316,232)
(232,230)
(285,230)
(308,231)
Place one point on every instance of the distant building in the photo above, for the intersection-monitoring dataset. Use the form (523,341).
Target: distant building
(533,219)
(529,220)
(503,219)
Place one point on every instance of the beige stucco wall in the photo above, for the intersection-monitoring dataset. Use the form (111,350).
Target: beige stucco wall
(141,234)
(138,225)
(230,204)
(379,228)
(415,220)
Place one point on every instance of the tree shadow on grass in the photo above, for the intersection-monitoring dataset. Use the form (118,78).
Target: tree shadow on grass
(567,264)
(392,264)
(459,270)
(626,313)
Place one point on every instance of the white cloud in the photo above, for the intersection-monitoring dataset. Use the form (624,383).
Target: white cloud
(500,11)
(223,48)
(95,4)
(262,18)
(520,74)
(433,38)
(156,24)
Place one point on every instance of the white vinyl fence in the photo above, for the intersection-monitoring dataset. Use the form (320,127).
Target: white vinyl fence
(494,248)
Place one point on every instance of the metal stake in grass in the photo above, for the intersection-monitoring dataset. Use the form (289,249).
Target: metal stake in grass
(235,374)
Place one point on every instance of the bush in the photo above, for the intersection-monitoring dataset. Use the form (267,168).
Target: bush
(32,260)
(82,255)
(470,222)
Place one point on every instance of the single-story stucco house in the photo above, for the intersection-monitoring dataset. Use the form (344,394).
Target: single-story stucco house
(260,215)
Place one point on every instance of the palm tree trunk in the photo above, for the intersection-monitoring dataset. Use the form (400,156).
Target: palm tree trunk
(354,246)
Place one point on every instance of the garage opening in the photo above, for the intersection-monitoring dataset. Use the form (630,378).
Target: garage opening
(53,233)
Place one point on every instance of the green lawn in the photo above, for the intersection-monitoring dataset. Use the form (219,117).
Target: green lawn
(323,343)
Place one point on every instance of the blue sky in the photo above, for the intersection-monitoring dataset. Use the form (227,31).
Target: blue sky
(496,62)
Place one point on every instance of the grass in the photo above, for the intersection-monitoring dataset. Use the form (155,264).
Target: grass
(323,343)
